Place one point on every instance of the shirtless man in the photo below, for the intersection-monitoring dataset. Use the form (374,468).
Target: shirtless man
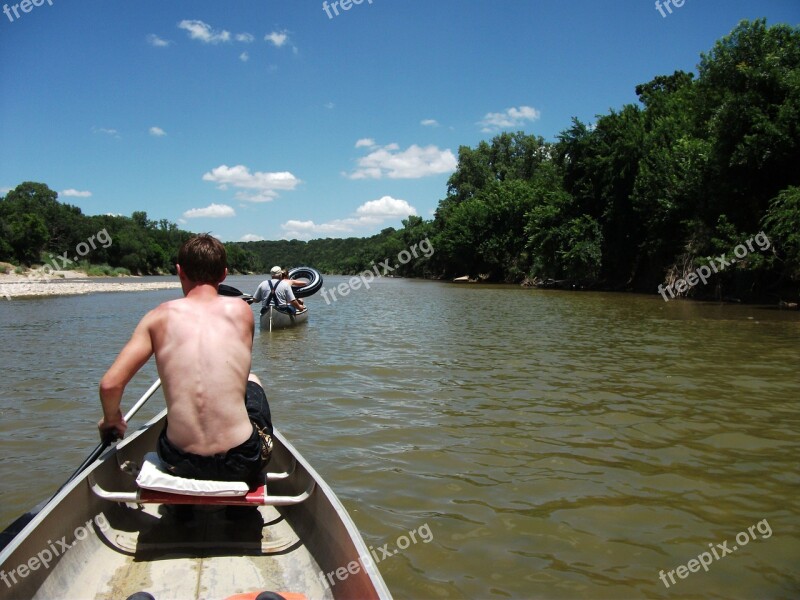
(218,418)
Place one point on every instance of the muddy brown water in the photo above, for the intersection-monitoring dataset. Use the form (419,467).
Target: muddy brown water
(489,441)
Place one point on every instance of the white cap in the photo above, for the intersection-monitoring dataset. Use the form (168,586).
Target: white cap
(276,271)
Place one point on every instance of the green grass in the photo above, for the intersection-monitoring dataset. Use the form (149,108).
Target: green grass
(105,271)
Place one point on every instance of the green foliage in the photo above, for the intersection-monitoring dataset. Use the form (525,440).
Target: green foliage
(26,235)
(748,107)
(106,271)
(563,246)
(648,190)
(34,226)
(782,226)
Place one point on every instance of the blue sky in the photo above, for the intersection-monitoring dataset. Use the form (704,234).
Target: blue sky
(269,119)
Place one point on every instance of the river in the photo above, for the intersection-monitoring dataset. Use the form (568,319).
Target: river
(540,444)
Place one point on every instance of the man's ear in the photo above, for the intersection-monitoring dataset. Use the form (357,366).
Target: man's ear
(224,275)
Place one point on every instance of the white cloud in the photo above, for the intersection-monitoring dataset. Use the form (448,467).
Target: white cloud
(369,214)
(112,132)
(429,123)
(251,237)
(212,211)
(157,132)
(329,105)
(245,38)
(385,208)
(365,143)
(156,41)
(203,32)
(72,193)
(412,163)
(258,187)
(258,197)
(277,38)
(244,57)
(512,117)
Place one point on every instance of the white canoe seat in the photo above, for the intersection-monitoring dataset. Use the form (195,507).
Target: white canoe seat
(154,476)
(158,486)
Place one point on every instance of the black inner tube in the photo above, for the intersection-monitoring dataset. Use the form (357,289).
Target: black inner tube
(314,281)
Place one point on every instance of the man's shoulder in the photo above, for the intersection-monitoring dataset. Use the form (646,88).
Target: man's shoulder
(155,318)
(168,306)
(164,310)
(184,308)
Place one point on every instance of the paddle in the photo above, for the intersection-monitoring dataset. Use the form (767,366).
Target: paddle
(228,290)
(10,532)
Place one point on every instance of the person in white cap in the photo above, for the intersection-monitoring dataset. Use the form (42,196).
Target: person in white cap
(276,292)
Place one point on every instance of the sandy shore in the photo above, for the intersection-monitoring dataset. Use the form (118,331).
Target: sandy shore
(66,283)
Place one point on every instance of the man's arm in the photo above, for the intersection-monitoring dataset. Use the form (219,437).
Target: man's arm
(290,297)
(133,356)
(259,295)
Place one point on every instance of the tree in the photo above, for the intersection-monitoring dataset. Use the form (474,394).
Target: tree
(782,226)
(27,236)
(748,103)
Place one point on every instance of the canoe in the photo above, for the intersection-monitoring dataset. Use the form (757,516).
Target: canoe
(273,318)
(98,538)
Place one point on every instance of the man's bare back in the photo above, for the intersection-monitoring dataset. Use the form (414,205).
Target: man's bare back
(202,348)
(202,345)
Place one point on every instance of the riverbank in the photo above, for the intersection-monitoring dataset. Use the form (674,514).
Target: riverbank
(68,283)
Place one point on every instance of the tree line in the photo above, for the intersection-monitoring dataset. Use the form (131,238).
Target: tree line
(35,228)
(643,196)
(646,194)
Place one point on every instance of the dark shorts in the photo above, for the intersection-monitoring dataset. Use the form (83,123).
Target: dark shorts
(241,463)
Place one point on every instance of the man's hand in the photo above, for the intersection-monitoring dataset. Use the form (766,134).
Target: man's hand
(113,428)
